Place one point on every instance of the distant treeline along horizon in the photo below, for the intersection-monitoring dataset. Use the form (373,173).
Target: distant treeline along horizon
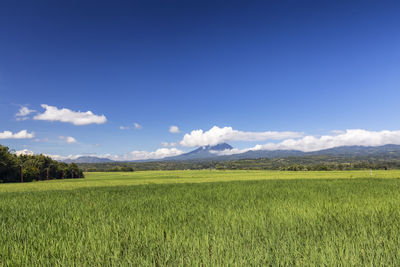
(305,163)
(28,168)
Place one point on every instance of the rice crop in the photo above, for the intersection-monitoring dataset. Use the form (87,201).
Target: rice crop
(181,218)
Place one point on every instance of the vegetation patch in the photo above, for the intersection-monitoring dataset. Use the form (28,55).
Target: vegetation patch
(314,220)
(28,168)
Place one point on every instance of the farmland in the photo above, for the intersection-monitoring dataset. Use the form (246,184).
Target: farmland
(203,217)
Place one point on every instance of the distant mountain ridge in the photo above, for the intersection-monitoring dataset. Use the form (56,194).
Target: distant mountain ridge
(206,153)
(360,150)
(202,152)
(345,151)
(88,159)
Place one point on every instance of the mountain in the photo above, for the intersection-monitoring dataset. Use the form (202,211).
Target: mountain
(88,159)
(386,150)
(255,154)
(204,152)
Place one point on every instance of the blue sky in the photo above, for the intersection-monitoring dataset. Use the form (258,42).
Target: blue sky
(305,67)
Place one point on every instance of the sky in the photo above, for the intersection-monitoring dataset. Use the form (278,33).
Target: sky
(148,79)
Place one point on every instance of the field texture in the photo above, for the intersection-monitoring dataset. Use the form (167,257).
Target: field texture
(203,218)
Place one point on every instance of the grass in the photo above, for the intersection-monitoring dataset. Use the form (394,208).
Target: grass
(107,179)
(203,218)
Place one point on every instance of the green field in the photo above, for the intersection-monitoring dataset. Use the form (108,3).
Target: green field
(204,217)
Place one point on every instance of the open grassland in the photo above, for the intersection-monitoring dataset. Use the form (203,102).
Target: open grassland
(204,218)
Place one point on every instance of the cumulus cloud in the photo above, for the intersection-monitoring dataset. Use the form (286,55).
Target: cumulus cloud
(174,129)
(66,115)
(217,135)
(24,152)
(68,139)
(136,126)
(228,152)
(143,155)
(133,155)
(355,137)
(352,137)
(53,156)
(23,113)
(60,158)
(20,135)
(69,157)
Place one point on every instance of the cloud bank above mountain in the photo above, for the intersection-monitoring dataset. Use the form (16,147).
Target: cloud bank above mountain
(217,135)
(309,143)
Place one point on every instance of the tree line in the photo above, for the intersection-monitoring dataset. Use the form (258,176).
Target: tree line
(27,168)
(304,163)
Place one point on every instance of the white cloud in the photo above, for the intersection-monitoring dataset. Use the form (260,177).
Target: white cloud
(68,139)
(66,115)
(24,152)
(228,152)
(136,126)
(23,112)
(354,137)
(20,135)
(166,144)
(59,158)
(174,129)
(217,135)
(53,156)
(133,155)
(143,155)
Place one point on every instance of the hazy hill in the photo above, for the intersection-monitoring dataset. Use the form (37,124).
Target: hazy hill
(88,159)
(203,152)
